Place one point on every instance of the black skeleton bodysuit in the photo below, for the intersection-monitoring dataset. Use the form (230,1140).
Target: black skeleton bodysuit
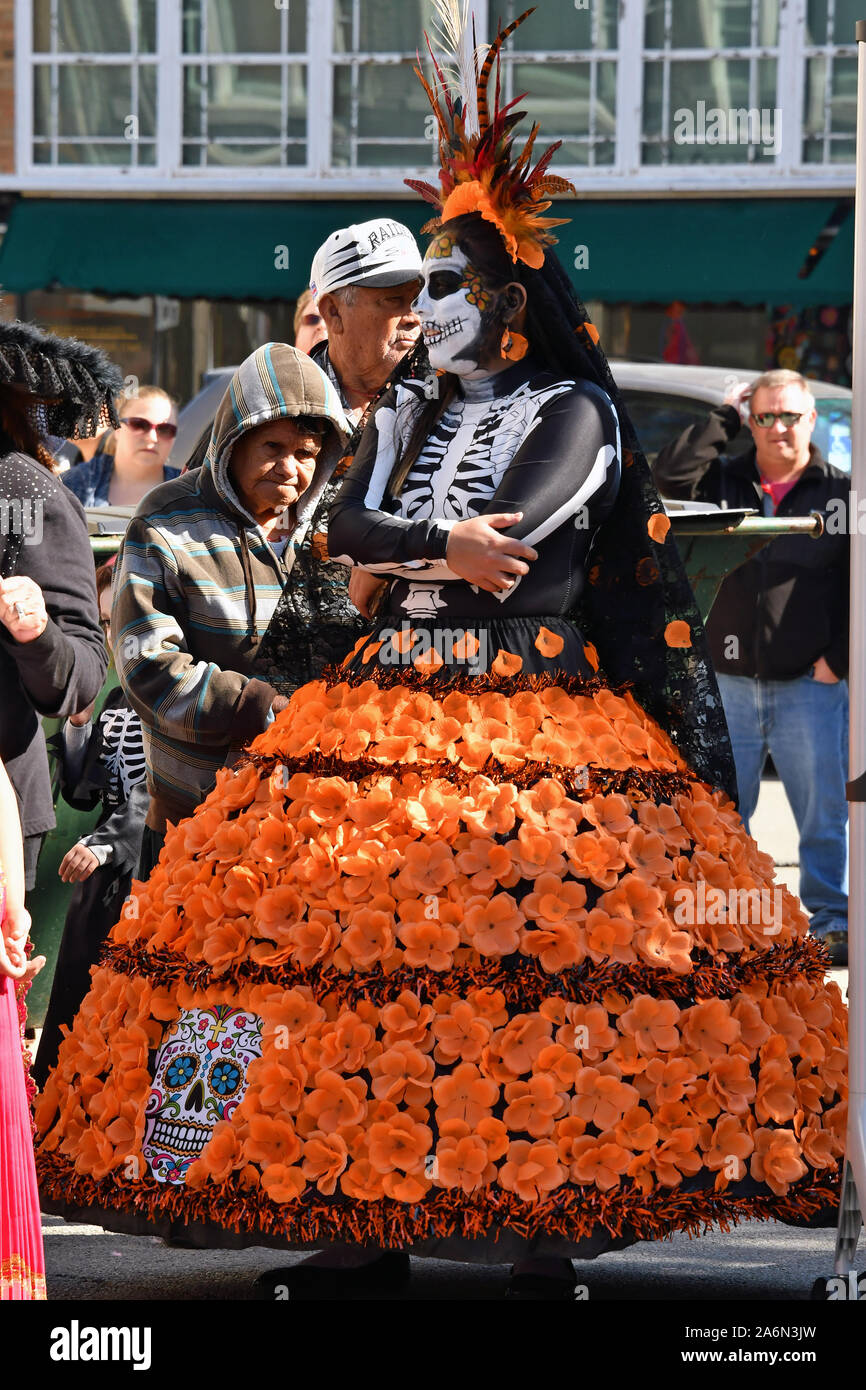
(523,440)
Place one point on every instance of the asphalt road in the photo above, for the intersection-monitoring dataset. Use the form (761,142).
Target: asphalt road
(755,1261)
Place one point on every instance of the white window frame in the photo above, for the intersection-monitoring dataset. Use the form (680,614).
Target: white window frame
(785,175)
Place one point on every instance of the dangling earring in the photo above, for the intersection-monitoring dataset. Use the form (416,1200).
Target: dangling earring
(513,345)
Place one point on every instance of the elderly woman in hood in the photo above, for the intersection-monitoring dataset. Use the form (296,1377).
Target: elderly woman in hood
(203,563)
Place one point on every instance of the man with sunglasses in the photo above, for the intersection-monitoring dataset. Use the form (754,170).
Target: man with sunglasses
(778,630)
(138,460)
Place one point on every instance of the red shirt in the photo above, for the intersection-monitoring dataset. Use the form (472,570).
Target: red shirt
(777,490)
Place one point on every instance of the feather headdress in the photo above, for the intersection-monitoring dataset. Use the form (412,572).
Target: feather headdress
(479,172)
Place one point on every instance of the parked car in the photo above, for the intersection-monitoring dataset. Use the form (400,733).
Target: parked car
(664,399)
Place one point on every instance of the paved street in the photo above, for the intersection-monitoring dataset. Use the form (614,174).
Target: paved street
(756,1261)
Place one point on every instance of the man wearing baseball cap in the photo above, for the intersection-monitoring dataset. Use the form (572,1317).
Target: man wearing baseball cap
(365,278)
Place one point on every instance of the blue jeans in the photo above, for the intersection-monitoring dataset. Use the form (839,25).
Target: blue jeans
(803,724)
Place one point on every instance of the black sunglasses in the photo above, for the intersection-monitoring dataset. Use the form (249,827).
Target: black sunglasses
(788,418)
(142,426)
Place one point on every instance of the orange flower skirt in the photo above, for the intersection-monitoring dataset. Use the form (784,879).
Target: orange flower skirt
(473,972)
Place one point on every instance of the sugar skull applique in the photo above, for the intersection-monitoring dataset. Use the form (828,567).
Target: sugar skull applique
(200,1077)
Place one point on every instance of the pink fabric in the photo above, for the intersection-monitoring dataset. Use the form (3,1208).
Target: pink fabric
(22,1261)
(777,490)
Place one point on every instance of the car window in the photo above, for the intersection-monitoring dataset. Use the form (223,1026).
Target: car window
(832,433)
(658,419)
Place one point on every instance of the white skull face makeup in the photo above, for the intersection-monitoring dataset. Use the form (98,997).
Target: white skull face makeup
(200,1076)
(453,306)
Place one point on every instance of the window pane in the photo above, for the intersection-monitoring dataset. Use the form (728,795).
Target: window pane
(563,26)
(247,156)
(847,12)
(837,117)
(816,22)
(382,26)
(710,118)
(95,152)
(562,100)
(713,23)
(94,100)
(95,26)
(375,102)
(226,105)
(237,26)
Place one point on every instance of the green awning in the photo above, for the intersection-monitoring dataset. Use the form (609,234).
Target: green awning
(731,250)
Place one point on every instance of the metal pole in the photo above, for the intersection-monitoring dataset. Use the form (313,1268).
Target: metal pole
(854,1182)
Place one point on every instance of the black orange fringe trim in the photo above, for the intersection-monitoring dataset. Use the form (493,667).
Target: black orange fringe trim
(522,981)
(581,783)
(455,678)
(572,1213)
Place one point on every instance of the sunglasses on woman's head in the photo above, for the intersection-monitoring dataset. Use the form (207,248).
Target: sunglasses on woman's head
(788,418)
(142,426)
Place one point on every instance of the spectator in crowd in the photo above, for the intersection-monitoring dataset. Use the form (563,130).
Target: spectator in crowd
(365,278)
(202,565)
(101,764)
(309,325)
(779,627)
(52,656)
(139,461)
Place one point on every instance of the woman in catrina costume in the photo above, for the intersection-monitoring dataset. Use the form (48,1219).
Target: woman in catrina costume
(471,957)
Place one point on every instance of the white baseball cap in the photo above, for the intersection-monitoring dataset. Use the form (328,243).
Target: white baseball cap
(374,254)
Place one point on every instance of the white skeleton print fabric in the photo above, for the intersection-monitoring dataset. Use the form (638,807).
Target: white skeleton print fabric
(520,441)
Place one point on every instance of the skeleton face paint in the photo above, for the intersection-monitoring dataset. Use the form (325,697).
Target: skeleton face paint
(455,309)
(200,1077)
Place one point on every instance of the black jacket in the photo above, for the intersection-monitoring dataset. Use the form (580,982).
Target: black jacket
(789,604)
(63,670)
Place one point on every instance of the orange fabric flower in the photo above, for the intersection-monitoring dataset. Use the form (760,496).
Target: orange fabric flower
(597,1162)
(677,1157)
(596,856)
(403,1073)
(493,925)
(532,1169)
(368,938)
(709,1027)
(460,1034)
(465,1094)
(336,1101)
(464,1163)
(658,527)
(549,643)
(283,1184)
(587,1032)
(665,948)
(652,1023)
(325,1158)
(777,1159)
(400,1143)
(558,945)
(271,1140)
(731,1082)
(601,1100)
(533,1105)
(678,634)
(220,1155)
